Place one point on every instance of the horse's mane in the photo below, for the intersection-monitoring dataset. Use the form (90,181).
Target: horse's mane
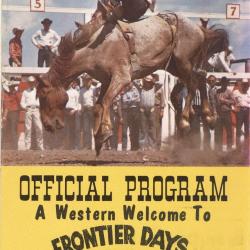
(61,64)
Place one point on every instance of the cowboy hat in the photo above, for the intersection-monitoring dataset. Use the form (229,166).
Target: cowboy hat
(149,78)
(17,30)
(46,20)
(31,79)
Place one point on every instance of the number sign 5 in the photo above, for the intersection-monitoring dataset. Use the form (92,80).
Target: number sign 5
(37,5)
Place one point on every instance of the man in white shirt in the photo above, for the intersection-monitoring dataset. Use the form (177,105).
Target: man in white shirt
(72,107)
(31,104)
(87,99)
(242,99)
(47,41)
(221,62)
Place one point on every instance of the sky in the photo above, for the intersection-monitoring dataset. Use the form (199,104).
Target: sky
(239,30)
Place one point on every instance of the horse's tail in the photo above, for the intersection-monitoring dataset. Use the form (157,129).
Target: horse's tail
(216,40)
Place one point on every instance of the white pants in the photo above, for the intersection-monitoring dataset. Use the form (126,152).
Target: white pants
(32,116)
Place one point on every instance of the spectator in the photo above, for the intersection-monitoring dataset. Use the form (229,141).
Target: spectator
(221,62)
(72,108)
(30,103)
(15,48)
(87,99)
(159,111)
(116,121)
(11,108)
(47,41)
(131,117)
(242,97)
(225,101)
(195,123)
(147,111)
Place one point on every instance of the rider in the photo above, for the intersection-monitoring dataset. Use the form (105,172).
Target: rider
(130,10)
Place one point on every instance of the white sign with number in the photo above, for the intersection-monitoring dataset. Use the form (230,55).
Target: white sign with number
(233,11)
(37,5)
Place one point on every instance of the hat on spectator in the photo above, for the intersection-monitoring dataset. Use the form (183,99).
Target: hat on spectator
(224,79)
(149,78)
(46,20)
(31,79)
(16,31)
(86,76)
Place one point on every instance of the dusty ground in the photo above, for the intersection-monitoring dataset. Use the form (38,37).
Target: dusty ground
(158,158)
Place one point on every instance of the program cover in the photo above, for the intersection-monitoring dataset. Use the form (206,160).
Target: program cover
(125,125)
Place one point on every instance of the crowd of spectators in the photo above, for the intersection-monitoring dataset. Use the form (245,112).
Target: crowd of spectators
(230,106)
(136,114)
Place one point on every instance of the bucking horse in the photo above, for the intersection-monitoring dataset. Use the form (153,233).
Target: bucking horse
(166,41)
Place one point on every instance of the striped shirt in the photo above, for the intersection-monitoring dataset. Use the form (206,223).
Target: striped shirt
(131,98)
(147,98)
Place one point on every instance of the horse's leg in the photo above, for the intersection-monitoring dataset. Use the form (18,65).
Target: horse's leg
(184,70)
(184,120)
(98,109)
(118,82)
(206,112)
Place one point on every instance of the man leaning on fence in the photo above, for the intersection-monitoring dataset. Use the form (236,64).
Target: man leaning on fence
(15,48)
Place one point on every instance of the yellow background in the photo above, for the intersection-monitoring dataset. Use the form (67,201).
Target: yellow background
(228,229)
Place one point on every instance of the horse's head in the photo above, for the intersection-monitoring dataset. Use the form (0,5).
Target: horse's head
(53,99)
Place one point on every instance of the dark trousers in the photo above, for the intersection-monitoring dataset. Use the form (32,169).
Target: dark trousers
(148,128)
(115,121)
(131,120)
(87,123)
(134,9)
(11,61)
(70,130)
(10,135)
(224,121)
(158,124)
(242,119)
(45,55)
(195,126)
(78,118)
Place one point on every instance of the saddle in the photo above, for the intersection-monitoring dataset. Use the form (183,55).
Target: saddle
(114,14)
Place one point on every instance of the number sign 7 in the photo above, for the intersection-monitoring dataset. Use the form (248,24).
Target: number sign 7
(233,11)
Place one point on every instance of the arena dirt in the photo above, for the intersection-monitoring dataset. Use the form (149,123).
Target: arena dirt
(168,157)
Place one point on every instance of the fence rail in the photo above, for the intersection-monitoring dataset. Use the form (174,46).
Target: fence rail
(17,8)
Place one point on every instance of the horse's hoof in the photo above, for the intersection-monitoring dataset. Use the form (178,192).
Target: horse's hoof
(184,125)
(98,147)
(211,121)
(100,139)
(106,136)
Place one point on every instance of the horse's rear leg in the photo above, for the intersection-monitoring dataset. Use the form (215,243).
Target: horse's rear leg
(104,132)
(206,112)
